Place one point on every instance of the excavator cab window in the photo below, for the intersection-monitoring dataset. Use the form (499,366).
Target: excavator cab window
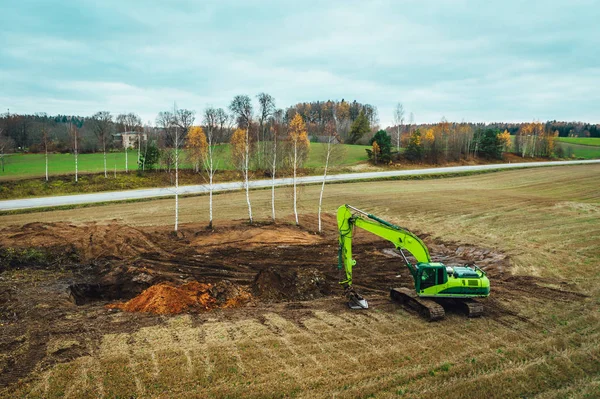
(427,278)
(441,276)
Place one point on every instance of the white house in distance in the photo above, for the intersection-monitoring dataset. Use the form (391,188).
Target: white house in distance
(129,139)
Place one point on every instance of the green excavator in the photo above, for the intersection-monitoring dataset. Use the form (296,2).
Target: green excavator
(435,283)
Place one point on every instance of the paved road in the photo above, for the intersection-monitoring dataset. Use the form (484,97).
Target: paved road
(198,189)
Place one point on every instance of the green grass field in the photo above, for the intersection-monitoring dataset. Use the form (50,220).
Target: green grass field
(583,151)
(33,165)
(591,141)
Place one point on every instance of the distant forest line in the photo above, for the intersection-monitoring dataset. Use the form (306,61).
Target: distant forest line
(25,132)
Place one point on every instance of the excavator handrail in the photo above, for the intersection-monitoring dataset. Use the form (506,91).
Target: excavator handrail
(477,268)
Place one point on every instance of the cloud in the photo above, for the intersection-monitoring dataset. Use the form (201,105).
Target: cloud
(458,59)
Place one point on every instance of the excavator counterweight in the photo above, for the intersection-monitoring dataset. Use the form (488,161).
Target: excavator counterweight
(434,281)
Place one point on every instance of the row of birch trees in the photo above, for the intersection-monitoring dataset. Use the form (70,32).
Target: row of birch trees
(266,137)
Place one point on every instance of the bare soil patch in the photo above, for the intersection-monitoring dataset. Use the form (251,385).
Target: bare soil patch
(81,277)
(168,298)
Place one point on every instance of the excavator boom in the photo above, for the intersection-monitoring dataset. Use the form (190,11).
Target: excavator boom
(401,238)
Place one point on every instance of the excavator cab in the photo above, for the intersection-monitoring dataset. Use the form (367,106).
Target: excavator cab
(429,275)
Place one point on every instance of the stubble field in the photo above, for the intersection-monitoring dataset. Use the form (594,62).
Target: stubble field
(536,232)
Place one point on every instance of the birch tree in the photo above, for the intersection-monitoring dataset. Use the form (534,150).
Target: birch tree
(299,147)
(165,122)
(223,121)
(183,119)
(399,121)
(212,119)
(74,133)
(266,107)
(122,120)
(45,141)
(332,153)
(102,122)
(241,107)
(176,177)
(277,131)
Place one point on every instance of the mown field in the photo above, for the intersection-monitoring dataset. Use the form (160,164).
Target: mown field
(33,165)
(580,151)
(592,141)
(580,147)
(546,344)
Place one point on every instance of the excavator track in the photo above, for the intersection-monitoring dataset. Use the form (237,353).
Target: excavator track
(430,309)
(471,307)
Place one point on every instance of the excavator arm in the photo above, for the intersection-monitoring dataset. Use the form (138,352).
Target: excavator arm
(349,217)
(432,280)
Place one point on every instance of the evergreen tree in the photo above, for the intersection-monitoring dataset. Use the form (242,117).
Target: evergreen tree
(489,145)
(149,158)
(384,142)
(359,128)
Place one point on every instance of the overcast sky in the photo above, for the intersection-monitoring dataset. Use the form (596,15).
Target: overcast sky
(462,60)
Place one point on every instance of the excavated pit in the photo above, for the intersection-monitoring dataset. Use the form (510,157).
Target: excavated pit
(268,264)
(114,263)
(84,293)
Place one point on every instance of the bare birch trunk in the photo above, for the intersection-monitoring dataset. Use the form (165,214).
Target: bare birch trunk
(126,162)
(273,177)
(176,179)
(247,158)
(211,173)
(76,180)
(104,152)
(46,162)
(323,185)
(295,167)
(210,200)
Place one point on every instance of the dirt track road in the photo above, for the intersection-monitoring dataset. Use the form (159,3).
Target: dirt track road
(232,186)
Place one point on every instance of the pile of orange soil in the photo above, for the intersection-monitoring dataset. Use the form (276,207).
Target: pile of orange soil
(167,298)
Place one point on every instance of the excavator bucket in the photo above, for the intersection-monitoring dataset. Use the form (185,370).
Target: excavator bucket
(357,302)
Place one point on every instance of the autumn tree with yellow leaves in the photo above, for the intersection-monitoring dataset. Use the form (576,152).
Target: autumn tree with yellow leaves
(197,146)
(506,141)
(375,150)
(534,140)
(298,148)
(442,142)
(238,148)
(414,149)
(429,145)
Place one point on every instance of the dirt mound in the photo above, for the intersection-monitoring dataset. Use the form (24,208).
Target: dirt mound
(291,284)
(254,236)
(91,240)
(167,298)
